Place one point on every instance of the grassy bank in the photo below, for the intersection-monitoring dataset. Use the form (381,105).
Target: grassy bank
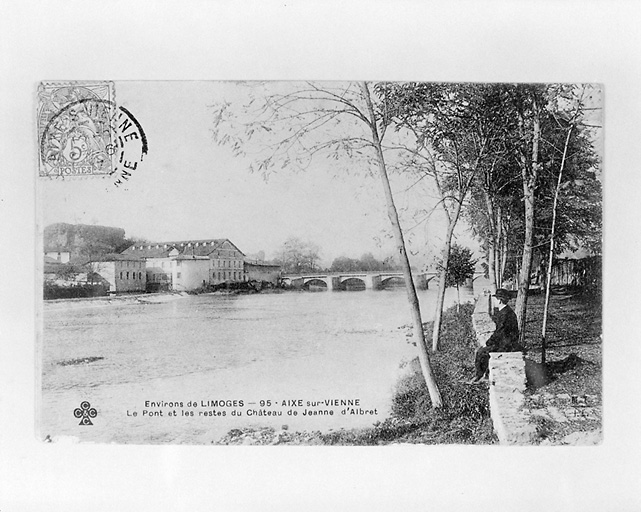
(571,379)
(573,331)
(573,370)
(464,419)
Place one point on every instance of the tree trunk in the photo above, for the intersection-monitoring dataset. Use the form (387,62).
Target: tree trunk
(504,253)
(551,255)
(492,243)
(491,265)
(445,256)
(423,354)
(526,262)
(529,175)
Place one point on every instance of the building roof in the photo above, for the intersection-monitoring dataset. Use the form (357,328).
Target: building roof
(118,257)
(261,264)
(188,257)
(184,247)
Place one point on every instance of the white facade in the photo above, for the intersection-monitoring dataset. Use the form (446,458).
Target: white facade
(122,275)
(60,256)
(190,272)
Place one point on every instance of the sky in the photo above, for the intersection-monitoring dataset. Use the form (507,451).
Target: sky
(188,187)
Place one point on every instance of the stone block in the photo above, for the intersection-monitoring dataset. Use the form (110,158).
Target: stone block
(507,383)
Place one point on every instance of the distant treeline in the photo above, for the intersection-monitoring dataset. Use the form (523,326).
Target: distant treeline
(366,263)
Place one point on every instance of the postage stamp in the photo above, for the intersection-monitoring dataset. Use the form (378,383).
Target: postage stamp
(82,132)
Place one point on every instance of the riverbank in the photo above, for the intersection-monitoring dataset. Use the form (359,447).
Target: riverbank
(566,405)
(464,420)
(138,298)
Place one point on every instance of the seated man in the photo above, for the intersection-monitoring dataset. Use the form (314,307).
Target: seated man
(504,339)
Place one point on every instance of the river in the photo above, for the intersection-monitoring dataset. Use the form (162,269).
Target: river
(189,370)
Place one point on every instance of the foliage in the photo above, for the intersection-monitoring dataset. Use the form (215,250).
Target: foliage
(288,126)
(366,263)
(54,291)
(297,256)
(495,210)
(86,242)
(453,365)
(456,131)
(460,266)
(68,271)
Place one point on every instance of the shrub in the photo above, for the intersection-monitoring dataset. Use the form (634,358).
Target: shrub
(465,415)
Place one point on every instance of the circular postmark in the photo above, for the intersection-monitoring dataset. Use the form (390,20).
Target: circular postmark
(84,134)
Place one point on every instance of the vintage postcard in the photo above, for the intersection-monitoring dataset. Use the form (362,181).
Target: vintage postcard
(319,263)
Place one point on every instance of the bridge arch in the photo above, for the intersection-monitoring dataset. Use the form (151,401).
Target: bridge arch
(392,282)
(315,283)
(352,284)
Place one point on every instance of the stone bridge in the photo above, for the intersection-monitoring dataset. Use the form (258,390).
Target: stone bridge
(356,280)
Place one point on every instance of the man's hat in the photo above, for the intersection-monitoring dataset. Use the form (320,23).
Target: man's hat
(502,293)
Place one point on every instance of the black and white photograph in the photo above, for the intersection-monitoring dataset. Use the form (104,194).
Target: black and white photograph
(302,255)
(342,263)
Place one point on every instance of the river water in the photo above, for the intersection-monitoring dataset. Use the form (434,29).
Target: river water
(189,370)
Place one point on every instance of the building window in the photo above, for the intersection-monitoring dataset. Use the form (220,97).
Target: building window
(127,275)
(177,275)
(139,275)
(120,275)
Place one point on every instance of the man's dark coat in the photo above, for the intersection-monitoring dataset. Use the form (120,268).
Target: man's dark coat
(506,336)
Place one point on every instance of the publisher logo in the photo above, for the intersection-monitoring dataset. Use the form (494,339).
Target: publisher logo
(84,412)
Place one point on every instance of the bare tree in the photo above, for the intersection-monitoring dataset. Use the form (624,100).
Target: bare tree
(342,121)
(297,256)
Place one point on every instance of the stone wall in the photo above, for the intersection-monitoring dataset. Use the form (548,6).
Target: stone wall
(507,383)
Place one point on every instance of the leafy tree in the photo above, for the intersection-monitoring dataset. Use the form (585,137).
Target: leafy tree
(338,120)
(576,155)
(67,272)
(366,263)
(456,135)
(297,256)
(345,264)
(460,268)
(511,205)
(538,145)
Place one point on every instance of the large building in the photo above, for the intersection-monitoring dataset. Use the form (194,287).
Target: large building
(123,273)
(189,264)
